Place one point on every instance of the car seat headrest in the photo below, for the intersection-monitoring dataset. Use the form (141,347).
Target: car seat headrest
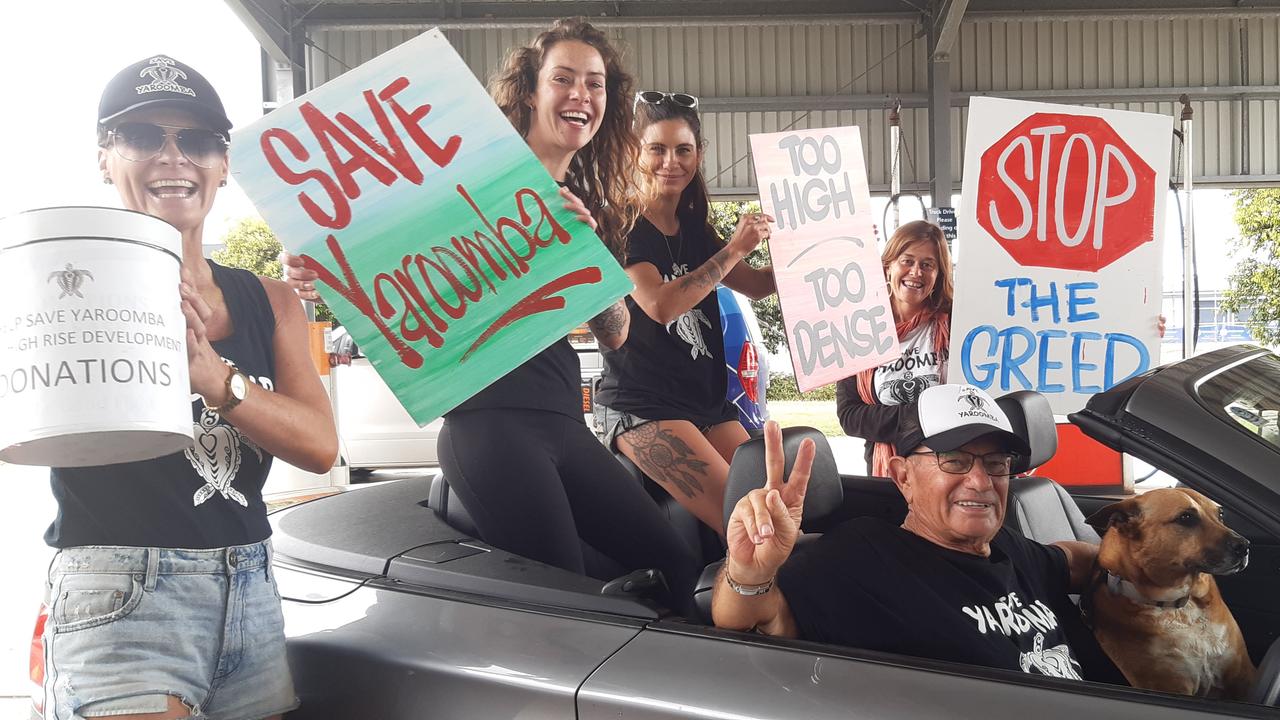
(1032,418)
(747,473)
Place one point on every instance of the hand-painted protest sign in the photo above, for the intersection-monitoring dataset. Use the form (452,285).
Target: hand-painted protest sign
(830,282)
(441,242)
(1058,282)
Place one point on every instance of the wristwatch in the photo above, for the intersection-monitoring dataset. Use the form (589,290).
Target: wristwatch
(237,389)
(748,590)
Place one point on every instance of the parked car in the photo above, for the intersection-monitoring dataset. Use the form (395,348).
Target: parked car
(746,361)
(395,609)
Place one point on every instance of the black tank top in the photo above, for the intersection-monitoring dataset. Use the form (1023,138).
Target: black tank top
(206,497)
(674,371)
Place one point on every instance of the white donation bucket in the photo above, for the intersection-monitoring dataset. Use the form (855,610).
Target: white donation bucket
(93,360)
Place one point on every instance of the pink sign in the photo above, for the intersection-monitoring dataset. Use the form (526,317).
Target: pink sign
(831,286)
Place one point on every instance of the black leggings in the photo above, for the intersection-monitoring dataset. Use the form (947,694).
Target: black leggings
(535,482)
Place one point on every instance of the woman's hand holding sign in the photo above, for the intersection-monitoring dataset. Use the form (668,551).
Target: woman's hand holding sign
(574,204)
(753,229)
(301,278)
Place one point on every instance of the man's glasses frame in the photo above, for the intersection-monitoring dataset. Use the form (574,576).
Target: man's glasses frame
(959,462)
(657,97)
(202,148)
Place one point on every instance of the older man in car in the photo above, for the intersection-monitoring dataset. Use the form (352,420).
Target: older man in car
(951,583)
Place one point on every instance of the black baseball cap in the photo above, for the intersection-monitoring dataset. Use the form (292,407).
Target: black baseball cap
(945,417)
(161,80)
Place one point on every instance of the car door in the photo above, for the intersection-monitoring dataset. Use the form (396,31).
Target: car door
(1180,420)
(672,670)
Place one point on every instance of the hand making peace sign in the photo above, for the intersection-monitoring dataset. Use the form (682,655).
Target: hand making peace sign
(766,522)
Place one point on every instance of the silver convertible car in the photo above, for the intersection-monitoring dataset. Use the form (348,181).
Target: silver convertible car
(396,609)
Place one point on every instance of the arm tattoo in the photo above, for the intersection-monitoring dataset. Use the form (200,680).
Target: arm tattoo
(666,459)
(609,323)
(707,275)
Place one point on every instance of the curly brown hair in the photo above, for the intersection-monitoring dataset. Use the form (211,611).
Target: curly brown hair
(601,172)
(917,231)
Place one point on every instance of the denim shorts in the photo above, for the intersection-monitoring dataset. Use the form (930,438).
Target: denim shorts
(130,626)
(614,423)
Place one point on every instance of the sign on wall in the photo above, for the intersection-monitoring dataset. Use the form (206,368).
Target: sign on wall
(441,242)
(1058,283)
(835,306)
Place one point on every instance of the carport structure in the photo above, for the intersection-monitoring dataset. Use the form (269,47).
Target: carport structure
(763,66)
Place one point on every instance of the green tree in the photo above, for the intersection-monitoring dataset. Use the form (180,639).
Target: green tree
(724,218)
(252,246)
(1255,283)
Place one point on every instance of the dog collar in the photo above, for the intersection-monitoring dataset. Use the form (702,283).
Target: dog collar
(1120,586)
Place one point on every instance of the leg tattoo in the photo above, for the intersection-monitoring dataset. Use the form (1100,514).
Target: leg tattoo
(667,459)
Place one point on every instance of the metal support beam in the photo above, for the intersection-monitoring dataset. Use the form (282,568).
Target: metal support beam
(940,182)
(1078,96)
(946,25)
(269,21)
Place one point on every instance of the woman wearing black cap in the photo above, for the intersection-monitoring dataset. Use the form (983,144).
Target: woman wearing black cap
(162,603)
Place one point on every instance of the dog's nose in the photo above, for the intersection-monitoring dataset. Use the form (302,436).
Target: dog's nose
(1238,547)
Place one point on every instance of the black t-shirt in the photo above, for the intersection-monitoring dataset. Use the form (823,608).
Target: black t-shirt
(550,380)
(208,496)
(677,371)
(873,585)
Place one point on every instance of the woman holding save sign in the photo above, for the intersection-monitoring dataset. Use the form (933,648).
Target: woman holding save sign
(162,600)
(531,474)
(665,386)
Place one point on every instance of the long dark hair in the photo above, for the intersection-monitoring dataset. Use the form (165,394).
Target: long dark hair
(694,208)
(600,173)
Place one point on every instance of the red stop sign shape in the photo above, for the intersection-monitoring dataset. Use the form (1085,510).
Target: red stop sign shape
(1066,191)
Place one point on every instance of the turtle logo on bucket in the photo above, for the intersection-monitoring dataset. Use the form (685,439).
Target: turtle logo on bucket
(70,280)
(164,77)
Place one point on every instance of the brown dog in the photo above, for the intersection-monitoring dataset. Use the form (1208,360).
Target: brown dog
(1154,604)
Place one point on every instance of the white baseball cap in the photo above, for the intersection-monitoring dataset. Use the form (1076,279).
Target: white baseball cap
(946,417)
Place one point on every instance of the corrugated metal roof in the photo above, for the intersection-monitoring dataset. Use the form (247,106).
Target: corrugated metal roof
(761,78)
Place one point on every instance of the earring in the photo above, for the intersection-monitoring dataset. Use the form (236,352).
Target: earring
(222,183)
(106,180)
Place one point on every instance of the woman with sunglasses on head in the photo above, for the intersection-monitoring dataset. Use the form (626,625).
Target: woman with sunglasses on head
(518,454)
(917,267)
(162,602)
(665,386)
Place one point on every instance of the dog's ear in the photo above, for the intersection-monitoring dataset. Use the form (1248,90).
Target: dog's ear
(1120,515)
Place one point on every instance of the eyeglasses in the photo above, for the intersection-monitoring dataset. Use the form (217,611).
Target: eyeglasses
(656,97)
(959,462)
(140,142)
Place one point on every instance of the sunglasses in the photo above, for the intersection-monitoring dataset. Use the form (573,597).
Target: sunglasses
(656,97)
(140,142)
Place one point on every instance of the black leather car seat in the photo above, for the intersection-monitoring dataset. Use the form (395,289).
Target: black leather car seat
(1039,507)
(704,541)
(1266,687)
(747,473)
